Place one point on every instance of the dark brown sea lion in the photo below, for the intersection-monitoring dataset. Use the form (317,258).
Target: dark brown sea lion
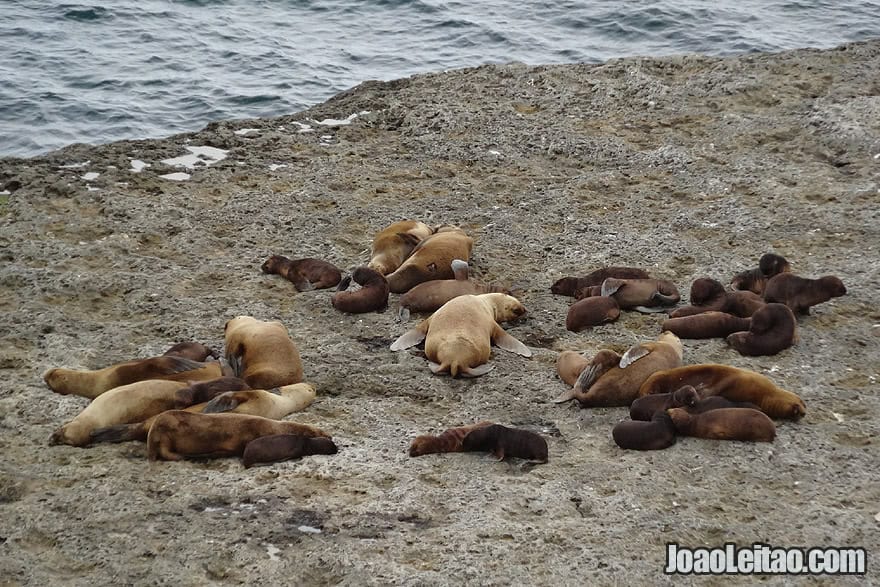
(262,353)
(714,402)
(799,293)
(305,274)
(590,312)
(706,325)
(589,291)
(394,243)
(432,259)
(709,295)
(567,286)
(194,351)
(657,434)
(177,434)
(640,294)
(431,295)
(205,391)
(732,383)
(448,441)
(505,442)
(644,408)
(773,328)
(371,297)
(755,280)
(284,447)
(725,424)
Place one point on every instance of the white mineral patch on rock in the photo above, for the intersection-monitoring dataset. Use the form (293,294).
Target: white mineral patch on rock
(91,175)
(179,176)
(336,122)
(246,131)
(198,156)
(137,165)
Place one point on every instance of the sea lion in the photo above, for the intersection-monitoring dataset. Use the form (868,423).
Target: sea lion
(567,286)
(708,295)
(458,337)
(735,384)
(394,243)
(725,424)
(91,384)
(430,295)
(773,328)
(614,380)
(570,364)
(714,402)
(640,294)
(505,442)
(590,312)
(432,259)
(284,447)
(371,297)
(121,405)
(305,274)
(589,291)
(643,408)
(799,293)
(194,351)
(262,353)
(755,280)
(177,434)
(448,441)
(706,325)
(205,391)
(657,434)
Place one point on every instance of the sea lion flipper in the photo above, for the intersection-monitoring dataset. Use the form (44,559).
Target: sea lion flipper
(435,368)
(403,314)
(171,364)
(303,285)
(611,285)
(649,310)
(664,299)
(408,339)
(235,364)
(633,354)
(477,371)
(565,396)
(509,343)
(344,283)
(460,269)
(224,402)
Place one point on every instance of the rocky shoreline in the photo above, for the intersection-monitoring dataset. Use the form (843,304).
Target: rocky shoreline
(687,166)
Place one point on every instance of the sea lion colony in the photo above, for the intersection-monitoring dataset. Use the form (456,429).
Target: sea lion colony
(187,403)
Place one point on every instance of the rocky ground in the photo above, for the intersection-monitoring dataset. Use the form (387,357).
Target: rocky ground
(688,166)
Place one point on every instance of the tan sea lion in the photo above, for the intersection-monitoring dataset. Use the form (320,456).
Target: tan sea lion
(725,424)
(394,243)
(656,434)
(371,297)
(448,441)
(706,325)
(432,259)
(305,274)
(643,408)
(262,353)
(284,447)
(773,328)
(590,312)
(91,384)
(799,293)
(740,385)
(569,365)
(567,286)
(640,294)
(505,442)
(194,351)
(614,380)
(755,280)
(458,337)
(177,434)
(430,295)
(709,295)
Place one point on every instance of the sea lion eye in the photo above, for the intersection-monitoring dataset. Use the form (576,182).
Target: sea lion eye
(432,267)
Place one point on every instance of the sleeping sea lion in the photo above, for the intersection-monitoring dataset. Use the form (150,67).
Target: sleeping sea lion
(284,447)
(640,294)
(709,295)
(505,442)
(567,286)
(570,364)
(755,280)
(656,434)
(706,325)
(262,353)
(725,424)
(773,328)
(430,295)
(394,243)
(305,274)
(643,408)
(432,259)
(194,351)
(205,391)
(590,312)
(371,297)
(799,293)
(448,441)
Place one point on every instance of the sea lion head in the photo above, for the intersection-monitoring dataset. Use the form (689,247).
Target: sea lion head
(832,285)
(422,445)
(56,379)
(704,289)
(680,417)
(772,264)
(564,286)
(685,397)
(504,307)
(673,340)
(273,263)
(238,320)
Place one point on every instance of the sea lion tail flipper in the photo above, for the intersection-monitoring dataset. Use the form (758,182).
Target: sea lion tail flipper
(460,269)
(586,379)
(476,371)
(649,310)
(633,354)
(611,285)
(436,368)
(403,314)
(119,433)
(235,364)
(408,339)
(344,283)
(509,343)
(566,396)
(224,402)
(664,299)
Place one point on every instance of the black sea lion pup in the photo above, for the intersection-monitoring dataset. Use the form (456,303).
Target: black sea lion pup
(799,293)
(706,325)
(305,274)
(394,243)
(371,297)
(449,441)
(262,353)
(657,434)
(773,328)
(432,259)
(194,351)
(645,407)
(284,447)
(590,312)
(755,280)
(505,442)
(725,424)
(567,286)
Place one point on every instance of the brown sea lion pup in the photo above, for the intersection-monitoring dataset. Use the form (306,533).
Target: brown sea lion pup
(430,295)
(205,391)
(91,384)
(709,295)
(714,402)
(706,325)
(657,434)
(394,243)
(432,259)
(305,274)
(371,297)
(177,434)
(284,447)
(262,353)
(458,337)
(567,286)
(590,312)
(570,364)
(755,280)
(590,291)
(448,441)
(121,405)
(641,294)
(194,351)
(799,293)
(644,408)
(505,442)
(614,380)
(740,385)
(725,424)
(773,328)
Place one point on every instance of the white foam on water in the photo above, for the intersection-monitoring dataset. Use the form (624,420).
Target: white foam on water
(91,175)
(179,176)
(245,131)
(336,122)
(276,166)
(198,155)
(75,165)
(137,165)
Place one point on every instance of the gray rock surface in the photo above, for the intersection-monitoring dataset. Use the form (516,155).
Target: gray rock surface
(688,166)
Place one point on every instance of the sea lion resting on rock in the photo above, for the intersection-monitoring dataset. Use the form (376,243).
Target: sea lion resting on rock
(458,337)
(725,424)
(205,391)
(755,280)
(432,259)
(569,365)
(708,295)
(194,351)
(614,380)
(284,447)
(738,385)
(394,243)
(567,286)
(590,312)
(431,295)
(799,293)
(706,325)
(371,297)
(657,434)
(505,442)
(687,397)
(449,441)
(773,328)
(637,294)
(177,434)
(305,274)
(262,353)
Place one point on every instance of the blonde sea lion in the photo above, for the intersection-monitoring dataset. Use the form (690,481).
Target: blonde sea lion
(505,442)
(772,329)
(284,447)
(430,295)
(656,434)
(394,243)
(590,312)
(725,424)
(305,274)
(262,353)
(458,337)
(740,385)
(754,280)
(177,434)
(448,441)
(709,295)
(567,286)
(432,259)
(371,297)
(800,293)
